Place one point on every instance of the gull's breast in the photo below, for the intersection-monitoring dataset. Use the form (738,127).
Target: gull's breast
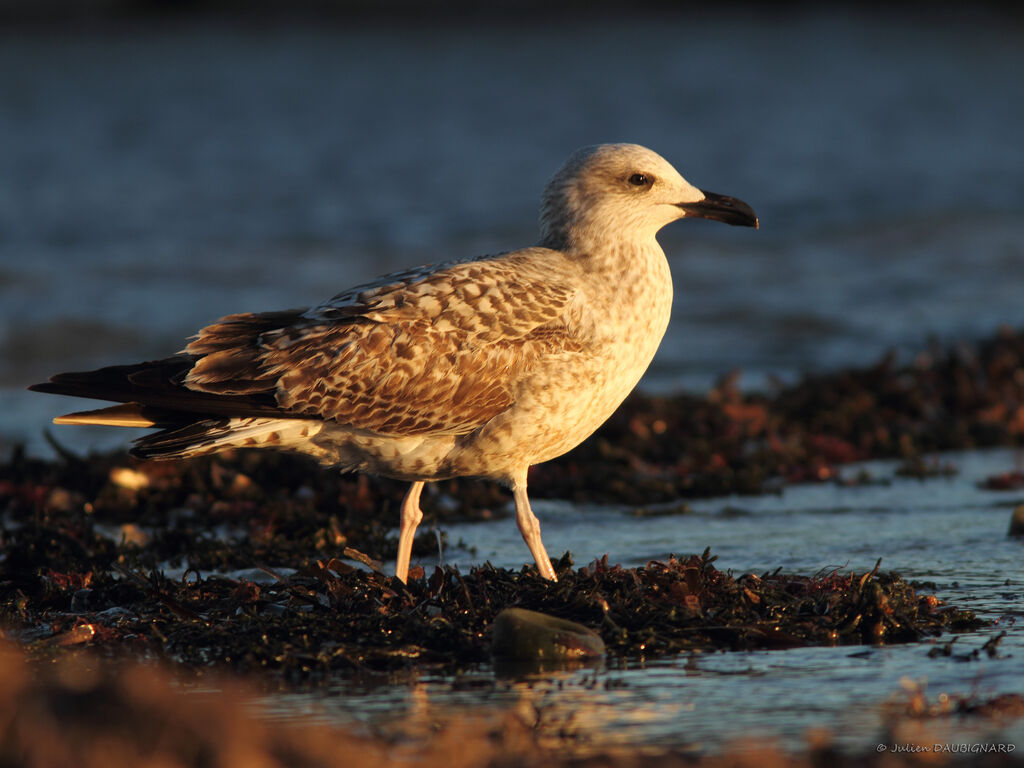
(564,399)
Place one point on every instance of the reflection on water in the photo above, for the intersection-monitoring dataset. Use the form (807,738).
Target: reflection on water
(946,531)
(702,703)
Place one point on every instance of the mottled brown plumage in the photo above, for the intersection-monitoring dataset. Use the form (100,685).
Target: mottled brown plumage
(473,368)
(433,355)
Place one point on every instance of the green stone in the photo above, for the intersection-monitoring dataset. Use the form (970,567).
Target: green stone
(522,634)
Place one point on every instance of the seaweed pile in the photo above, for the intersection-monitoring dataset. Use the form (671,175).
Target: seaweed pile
(85,543)
(63,583)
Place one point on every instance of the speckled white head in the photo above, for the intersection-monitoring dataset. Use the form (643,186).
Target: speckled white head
(624,193)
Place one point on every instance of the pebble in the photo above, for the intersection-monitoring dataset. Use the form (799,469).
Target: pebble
(522,634)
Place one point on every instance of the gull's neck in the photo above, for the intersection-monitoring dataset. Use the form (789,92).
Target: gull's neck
(617,252)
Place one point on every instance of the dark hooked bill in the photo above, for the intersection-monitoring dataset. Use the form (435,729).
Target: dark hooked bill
(722,208)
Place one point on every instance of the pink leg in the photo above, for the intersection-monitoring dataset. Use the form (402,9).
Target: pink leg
(411,516)
(529,526)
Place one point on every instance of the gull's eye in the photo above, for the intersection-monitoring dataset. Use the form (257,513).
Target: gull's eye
(641,180)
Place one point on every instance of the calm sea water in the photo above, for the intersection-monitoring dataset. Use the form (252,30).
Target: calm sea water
(155,176)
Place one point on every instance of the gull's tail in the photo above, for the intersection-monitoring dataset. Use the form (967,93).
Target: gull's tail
(191,423)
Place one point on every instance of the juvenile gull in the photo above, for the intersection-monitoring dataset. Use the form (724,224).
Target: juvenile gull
(475,368)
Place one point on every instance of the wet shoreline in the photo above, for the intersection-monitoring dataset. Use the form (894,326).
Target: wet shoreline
(268,566)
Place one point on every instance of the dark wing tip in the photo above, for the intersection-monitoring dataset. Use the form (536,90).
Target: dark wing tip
(57,384)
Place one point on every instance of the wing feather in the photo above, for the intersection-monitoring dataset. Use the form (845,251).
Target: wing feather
(418,352)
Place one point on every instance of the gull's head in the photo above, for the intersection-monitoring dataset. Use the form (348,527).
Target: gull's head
(627,193)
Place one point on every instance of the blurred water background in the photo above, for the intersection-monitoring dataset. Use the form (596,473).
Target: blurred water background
(162,170)
(159,170)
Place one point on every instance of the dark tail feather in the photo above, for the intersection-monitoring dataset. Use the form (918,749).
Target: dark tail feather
(182,442)
(157,385)
(157,382)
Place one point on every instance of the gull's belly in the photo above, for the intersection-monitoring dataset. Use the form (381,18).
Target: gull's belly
(559,418)
(560,406)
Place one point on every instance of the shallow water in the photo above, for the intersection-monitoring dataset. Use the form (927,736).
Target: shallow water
(942,530)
